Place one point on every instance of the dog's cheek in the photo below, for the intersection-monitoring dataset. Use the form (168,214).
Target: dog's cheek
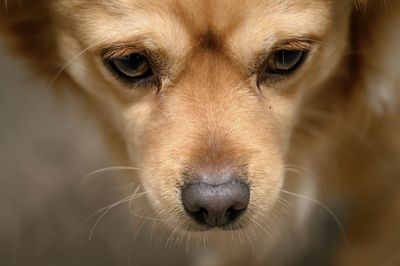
(284,109)
(137,124)
(265,192)
(151,147)
(145,153)
(266,174)
(161,180)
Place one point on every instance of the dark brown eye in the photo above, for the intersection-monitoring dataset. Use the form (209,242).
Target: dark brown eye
(284,62)
(134,67)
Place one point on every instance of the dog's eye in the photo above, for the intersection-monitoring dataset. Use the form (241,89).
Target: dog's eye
(133,67)
(284,62)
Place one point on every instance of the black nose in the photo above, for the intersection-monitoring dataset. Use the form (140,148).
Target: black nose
(215,205)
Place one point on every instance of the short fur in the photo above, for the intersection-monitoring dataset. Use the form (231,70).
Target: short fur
(337,116)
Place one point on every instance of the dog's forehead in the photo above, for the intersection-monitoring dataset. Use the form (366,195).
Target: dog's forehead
(174,24)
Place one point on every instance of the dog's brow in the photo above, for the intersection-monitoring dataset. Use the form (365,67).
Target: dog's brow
(138,44)
(117,50)
(293,42)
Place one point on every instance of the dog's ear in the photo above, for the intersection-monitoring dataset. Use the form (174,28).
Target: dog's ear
(361,3)
(26,29)
(375,54)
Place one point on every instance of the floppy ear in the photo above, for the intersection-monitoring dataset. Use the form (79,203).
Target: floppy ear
(26,28)
(361,3)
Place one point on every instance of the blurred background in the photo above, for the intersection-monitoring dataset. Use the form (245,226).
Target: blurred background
(47,146)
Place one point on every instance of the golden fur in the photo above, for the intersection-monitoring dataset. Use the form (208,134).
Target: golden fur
(336,116)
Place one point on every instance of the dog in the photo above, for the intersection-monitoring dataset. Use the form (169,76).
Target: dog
(245,119)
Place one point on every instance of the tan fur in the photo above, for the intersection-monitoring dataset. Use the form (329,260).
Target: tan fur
(336,116)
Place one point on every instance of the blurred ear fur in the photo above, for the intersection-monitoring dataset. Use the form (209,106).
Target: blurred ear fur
(361,3)
(27,28)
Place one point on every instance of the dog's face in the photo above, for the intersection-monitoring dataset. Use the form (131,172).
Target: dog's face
(205,93)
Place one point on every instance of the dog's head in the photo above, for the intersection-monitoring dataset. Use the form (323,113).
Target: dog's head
(204,93)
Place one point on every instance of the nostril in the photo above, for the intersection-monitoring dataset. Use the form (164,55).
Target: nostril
(215,205)
(232,213)
(199,216)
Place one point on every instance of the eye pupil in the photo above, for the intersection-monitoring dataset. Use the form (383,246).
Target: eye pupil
(284,62)
(133,66)
(287,59)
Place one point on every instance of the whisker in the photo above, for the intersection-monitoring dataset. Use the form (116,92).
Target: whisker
(92,175)
(324,207)
(261,227)
(249,238)
(286,205)
(181,234)
(161,223)
(168,242)
(133,239)
(240,235)
(268,222)
(312,180)
(107,209)
(297,169)
(142,216)
(68,63)
(204,243)
(345,125)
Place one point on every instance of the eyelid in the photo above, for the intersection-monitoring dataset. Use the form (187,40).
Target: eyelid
(120,51)
(308,39)
(299,43)
(158,59)
(290,44)
(304,42)
(290,47)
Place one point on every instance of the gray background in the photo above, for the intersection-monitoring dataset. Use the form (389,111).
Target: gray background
(46,146)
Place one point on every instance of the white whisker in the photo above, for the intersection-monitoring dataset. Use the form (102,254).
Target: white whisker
(324,207)
(261,227)
(92,175)
(107,209)
(139,215)
(66,65)
(173,234)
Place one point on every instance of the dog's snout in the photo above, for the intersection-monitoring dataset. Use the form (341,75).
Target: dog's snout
(215,205)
